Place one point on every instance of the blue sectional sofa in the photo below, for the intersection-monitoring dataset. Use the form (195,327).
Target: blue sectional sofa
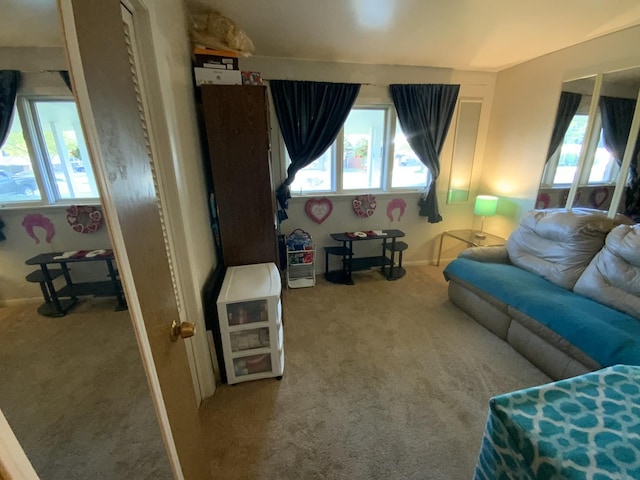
(564,291)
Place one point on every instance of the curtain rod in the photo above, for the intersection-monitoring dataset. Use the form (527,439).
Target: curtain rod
(56,70)
(359,83)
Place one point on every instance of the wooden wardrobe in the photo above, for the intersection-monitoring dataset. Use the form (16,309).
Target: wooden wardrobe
(236,120)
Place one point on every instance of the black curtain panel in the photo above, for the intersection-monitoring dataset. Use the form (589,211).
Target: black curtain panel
(310,115)
(9,80)
(425,113)
(632,194)
(617,115)
(64,74)
(567,108)
(632,200)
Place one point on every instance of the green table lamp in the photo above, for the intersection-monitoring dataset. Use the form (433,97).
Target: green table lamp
(485,206)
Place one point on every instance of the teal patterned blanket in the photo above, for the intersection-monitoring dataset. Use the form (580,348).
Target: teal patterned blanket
(582,428)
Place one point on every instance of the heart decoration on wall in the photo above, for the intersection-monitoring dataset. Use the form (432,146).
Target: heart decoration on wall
(598,197)
(318,209)
(84,218)
(364,205)
(543,201)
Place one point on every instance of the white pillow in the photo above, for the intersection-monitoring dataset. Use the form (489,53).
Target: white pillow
(558,244)
(613,276)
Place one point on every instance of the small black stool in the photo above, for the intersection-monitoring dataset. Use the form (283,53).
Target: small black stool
(395,272)
(38,277)
(341,251)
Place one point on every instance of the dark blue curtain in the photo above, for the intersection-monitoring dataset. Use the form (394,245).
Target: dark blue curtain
(425,113)
(617,115)
(64,74)
(9,80)
(567,108)
(310,115)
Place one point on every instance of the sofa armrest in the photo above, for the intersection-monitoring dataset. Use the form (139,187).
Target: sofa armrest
(486,254)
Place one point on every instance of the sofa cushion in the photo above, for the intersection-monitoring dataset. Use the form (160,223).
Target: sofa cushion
(606,335)
(613,276)
(498,254)
(558,244)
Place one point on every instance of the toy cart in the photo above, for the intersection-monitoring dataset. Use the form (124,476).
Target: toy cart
(301,254)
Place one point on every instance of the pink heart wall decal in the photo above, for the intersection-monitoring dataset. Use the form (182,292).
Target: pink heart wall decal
(318,209)
(543,201)
(598,197)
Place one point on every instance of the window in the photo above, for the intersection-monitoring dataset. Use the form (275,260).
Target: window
(374,156)
(408,169)
(48,161)
(604,168)
(363,143)
(600,168)
(17,182)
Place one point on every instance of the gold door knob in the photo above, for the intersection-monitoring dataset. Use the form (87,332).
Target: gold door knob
(182,330)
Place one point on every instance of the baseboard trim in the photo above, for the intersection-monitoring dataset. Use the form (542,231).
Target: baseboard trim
(416,263)
(13,302)
(425,262)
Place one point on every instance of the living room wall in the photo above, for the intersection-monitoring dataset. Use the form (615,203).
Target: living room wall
(524,108)
(422,237)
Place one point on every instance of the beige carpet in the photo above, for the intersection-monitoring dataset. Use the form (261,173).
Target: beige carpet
(383,380)
(75,394)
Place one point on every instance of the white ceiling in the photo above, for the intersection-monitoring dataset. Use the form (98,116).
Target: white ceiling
(463,34)
(30,23)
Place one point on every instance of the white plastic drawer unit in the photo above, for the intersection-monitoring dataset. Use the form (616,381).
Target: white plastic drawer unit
(250,316)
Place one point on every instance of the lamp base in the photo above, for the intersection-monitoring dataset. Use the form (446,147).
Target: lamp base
(479,235)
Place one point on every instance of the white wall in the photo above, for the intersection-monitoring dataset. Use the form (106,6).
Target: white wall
(18,247)
(523,113)
(422,237)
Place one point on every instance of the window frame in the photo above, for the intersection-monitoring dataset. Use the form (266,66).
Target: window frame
(50,196)
(337,159)
(591,146)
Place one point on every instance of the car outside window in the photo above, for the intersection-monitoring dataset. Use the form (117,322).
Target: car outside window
(44,158)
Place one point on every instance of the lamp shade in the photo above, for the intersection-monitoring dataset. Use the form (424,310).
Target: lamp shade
(485,205)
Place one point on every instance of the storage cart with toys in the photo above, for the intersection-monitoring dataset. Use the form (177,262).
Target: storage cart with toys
(301,254)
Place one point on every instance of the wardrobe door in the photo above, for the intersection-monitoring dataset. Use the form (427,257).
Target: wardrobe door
(236,122)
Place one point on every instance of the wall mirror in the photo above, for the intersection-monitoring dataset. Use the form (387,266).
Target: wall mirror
(464,149)
(592,126)
(74,389)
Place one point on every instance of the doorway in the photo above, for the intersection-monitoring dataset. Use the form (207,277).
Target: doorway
(110,109)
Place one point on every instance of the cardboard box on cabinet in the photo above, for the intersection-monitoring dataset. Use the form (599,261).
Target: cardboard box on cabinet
(206,76)
(216,59)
